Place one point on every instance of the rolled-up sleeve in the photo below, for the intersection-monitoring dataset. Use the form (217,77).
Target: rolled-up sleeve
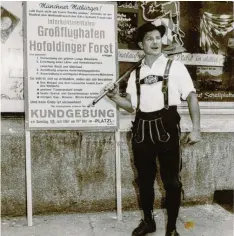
(185,83)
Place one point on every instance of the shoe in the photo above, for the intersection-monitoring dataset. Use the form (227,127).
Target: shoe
(144,228)
(172,233)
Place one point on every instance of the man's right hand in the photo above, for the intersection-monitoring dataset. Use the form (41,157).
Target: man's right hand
(123,102)
(112,89)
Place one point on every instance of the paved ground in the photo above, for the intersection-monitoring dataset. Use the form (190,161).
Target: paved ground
(202,220)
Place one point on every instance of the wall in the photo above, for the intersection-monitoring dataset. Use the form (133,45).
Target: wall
(75,172)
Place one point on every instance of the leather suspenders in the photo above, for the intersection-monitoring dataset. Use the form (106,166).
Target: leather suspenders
(164,85)
(138,86)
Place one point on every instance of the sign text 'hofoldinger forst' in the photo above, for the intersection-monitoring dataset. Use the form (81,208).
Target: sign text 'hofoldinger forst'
(71,56)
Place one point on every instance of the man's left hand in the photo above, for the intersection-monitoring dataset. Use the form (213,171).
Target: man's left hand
(193,137)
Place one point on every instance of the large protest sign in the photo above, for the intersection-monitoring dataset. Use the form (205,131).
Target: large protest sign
(71,53)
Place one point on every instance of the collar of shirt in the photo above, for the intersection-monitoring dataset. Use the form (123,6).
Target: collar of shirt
(157,68)
(159,61)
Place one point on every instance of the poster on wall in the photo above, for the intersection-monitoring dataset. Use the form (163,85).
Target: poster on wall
(215,32)
(12,97)
(71,54)
(213,83)
(127,19)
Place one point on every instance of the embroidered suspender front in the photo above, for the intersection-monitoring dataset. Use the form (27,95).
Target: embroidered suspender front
(164,85)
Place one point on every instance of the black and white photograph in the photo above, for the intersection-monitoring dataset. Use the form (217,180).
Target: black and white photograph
(117,118)
(128,4)
(213,83)
(127,25)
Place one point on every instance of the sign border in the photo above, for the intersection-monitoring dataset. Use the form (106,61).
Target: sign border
(25,69)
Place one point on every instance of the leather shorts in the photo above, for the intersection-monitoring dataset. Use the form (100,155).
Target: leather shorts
(155,126)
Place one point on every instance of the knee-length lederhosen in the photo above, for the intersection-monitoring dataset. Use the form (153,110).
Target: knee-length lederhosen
(157,134)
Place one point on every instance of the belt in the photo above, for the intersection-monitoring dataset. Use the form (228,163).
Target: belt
(154,114)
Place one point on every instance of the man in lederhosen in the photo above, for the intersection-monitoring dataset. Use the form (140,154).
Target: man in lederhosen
(154,90)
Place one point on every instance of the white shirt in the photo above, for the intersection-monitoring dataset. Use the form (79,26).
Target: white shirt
(151,99)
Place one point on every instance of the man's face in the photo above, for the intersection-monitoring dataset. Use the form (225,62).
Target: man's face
(152,43)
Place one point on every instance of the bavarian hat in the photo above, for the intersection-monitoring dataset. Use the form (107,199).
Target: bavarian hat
(147,27)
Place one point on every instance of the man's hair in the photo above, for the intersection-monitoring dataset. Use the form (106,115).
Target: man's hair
(147,27)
